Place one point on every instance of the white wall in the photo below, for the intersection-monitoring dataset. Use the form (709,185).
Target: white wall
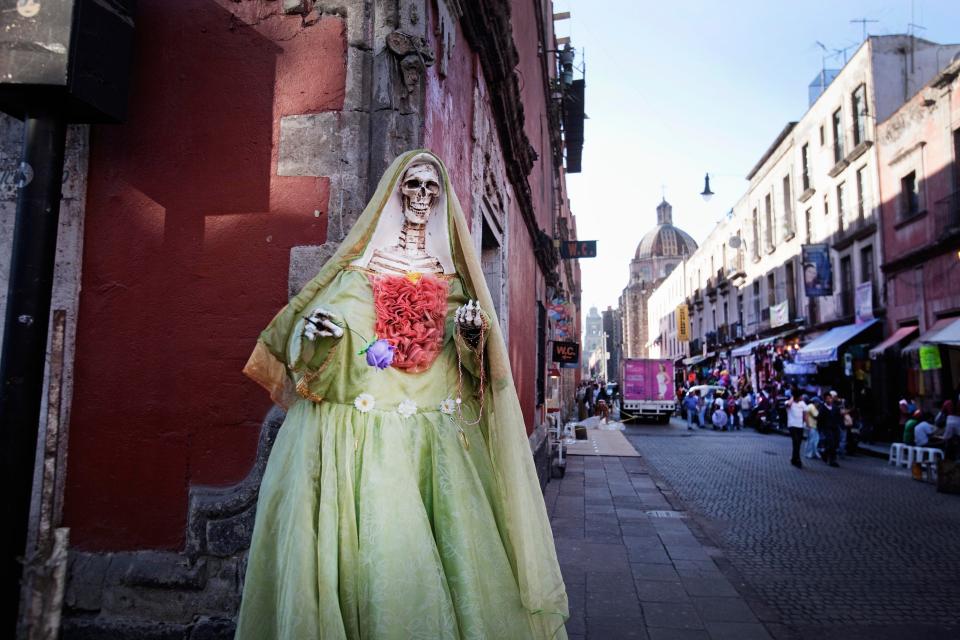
(879,66)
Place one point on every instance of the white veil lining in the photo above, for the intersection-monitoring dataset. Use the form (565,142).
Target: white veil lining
(390,222)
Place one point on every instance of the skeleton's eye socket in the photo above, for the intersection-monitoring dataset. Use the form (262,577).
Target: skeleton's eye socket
(412,184)
(433,188)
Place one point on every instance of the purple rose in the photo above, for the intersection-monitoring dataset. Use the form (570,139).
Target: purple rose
(380,354)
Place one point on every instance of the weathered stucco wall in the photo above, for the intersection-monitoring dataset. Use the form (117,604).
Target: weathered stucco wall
(919,138)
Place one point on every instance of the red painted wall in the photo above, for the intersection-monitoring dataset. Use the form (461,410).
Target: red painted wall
(187,238)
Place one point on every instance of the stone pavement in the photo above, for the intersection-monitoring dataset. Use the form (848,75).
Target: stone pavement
(861,551)
(635,567)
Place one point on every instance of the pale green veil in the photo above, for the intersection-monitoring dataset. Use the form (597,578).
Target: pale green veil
(528,537)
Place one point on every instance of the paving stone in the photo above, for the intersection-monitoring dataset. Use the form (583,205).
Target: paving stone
(662,633)
(827,550)
(672,615)
(613,606)
(723,610)
(737,631)
(686,552)
(628,629)
(695,568)
(703,585)
(661,591)
(610,581)
(576,625)
(653,555)
(649,571)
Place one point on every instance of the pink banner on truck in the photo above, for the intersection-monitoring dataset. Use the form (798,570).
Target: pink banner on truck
(648,380)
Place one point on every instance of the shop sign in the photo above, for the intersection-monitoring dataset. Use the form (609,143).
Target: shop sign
(930,357)
(683,323)
(864,302)
(779,314)
(573,249)
(567,354)
(817,270)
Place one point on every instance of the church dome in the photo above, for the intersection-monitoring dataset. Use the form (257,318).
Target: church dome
(665,240)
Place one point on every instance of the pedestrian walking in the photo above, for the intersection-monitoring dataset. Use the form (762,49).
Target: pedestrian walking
(733,407)
(830,423)
(813,434)
(691,405)
(603,406)
(796,410)
(746,405)
(703,408)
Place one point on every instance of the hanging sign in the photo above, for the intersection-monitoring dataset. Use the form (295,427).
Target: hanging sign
(573,249)
(930,357)
(864,302)
(817,270)
(779,314)
(567,354)
(683,323)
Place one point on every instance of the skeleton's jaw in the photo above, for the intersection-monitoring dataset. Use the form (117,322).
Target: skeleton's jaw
(419,218)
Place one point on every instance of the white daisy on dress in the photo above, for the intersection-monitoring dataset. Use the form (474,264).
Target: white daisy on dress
(448,406)
(364,402)
(407,408)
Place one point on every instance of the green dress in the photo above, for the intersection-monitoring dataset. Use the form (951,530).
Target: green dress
(375,525)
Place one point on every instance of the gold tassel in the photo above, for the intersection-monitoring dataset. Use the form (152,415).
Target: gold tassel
(463,439)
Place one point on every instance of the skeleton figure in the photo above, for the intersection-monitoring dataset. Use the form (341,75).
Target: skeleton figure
(420,193)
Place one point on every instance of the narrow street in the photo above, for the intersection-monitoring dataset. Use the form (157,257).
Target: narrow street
(755,548)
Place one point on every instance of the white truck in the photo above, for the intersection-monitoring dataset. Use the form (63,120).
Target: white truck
(648,390)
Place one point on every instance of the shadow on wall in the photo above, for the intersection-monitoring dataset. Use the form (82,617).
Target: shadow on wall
(179,276)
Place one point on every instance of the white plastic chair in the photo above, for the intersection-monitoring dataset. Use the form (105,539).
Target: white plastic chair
(927,458)
(896,454)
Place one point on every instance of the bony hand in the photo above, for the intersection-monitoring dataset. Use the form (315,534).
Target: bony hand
(320,324)
(470,318)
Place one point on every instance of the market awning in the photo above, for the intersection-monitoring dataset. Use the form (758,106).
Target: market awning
(898,336)
(746,349)
(949,334)
(825,348)
(695,360)
(939,325)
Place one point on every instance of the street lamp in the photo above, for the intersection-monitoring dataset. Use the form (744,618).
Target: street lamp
(706,193)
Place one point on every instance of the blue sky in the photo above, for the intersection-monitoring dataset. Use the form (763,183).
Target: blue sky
(679,88)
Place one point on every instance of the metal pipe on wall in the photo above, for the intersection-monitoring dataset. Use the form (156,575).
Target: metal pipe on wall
(25,334)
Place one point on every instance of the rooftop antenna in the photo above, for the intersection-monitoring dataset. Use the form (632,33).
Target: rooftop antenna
(823,65)
(911,26)
(863,24)
(843,52)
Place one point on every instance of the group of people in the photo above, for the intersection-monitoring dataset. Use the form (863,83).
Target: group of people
(939,432)
(593,399)
(722,410)
(820,426)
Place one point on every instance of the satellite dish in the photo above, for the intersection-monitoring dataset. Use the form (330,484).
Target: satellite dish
(734,242)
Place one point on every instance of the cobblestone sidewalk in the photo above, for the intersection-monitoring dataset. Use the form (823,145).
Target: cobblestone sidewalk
(634,567)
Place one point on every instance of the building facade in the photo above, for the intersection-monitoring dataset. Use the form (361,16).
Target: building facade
(659,252)
(256,132)
(817,184)
(918,150)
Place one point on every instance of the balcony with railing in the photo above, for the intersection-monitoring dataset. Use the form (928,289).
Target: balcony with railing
(735,268)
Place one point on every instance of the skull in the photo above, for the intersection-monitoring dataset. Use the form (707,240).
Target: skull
(420,189)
